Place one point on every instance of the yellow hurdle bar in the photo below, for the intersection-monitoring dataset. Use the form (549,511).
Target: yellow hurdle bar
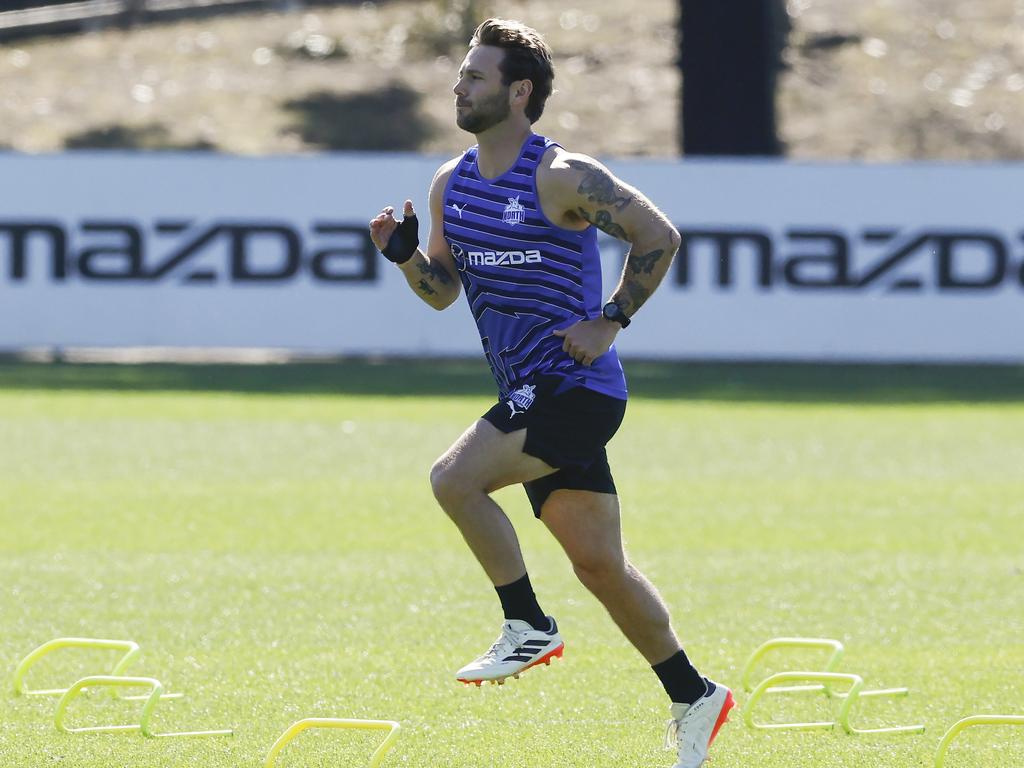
(823,643)
(969,722)
(330,722)
(117,682)
(767,647)
(131,651)
(849,699)
(772,683)
(108,681)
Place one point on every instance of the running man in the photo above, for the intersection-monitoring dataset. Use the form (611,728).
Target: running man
(513,222)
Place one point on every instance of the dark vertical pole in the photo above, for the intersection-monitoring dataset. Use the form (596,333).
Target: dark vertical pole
(730,58)
(132,13)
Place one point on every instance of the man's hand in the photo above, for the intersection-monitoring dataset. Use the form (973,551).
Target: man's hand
(397,241)
(587,340)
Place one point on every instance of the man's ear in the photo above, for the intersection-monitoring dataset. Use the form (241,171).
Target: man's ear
(521,89)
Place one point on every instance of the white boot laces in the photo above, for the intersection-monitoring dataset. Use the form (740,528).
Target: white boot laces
(690,738)
(672,735)
(506,643)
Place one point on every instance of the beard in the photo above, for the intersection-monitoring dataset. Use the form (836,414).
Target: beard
(486,113)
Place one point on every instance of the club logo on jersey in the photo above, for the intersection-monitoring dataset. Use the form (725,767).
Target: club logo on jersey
(523,397)
(514,212)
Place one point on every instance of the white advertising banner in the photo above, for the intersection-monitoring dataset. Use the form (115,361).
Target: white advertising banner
(779,260)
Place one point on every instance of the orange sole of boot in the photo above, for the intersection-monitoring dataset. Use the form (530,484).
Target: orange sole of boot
(545,660)
(723,716)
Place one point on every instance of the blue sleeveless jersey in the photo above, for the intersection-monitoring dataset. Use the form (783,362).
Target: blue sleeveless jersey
(525,276)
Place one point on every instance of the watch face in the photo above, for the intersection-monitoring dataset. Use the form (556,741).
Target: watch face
(611,311)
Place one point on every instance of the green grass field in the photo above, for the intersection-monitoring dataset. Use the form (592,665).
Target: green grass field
(268,535)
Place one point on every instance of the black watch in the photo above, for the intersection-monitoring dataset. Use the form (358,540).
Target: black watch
(613,311)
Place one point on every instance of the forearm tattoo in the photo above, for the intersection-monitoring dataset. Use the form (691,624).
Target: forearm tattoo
(631,296)
(426,289)
(644,263)
(434,272)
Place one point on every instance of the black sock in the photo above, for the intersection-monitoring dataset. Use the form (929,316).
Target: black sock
(519,602)
(682,682)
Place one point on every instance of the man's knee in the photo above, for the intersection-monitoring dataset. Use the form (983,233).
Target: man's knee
(442,480)
(596,553)
(450,484)
(599,569)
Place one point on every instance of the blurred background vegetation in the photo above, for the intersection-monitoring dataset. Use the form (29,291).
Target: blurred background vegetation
(879,80)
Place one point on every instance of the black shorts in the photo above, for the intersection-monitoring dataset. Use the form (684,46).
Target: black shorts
(567,427)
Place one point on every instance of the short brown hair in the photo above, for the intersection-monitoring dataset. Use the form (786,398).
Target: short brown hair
(527,57)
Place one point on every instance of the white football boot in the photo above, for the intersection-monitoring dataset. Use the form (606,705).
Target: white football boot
(694,726)
(518,648)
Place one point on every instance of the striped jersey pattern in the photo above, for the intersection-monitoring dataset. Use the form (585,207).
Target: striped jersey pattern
(524,276)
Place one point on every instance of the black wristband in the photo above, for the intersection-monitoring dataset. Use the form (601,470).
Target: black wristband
(403,241)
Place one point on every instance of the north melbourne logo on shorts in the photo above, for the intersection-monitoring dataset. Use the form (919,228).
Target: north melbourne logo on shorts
(523,397)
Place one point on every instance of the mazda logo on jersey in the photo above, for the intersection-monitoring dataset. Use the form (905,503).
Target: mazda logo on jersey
(502,258)
(465,258)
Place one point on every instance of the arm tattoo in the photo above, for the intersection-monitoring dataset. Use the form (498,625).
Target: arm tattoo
(598,185)
(434,271)
(645,263)
(425,288)
(603,221)
(637,295)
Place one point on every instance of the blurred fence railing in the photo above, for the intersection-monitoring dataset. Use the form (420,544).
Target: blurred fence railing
(96,14)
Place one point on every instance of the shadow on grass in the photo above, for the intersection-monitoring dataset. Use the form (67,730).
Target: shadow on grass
(771,382)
